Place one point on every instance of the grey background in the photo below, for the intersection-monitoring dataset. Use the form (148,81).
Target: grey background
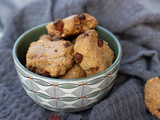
(10,5)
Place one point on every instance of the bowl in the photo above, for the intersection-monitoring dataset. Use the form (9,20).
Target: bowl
(69,95)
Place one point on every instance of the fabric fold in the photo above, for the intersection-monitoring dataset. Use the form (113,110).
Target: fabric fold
(138,30)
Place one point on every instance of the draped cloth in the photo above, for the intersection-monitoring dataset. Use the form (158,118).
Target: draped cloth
(136,26)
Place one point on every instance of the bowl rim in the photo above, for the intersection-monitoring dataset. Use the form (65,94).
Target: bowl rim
(17,62)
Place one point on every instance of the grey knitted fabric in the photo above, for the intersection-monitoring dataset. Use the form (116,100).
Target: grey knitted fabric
(138,30)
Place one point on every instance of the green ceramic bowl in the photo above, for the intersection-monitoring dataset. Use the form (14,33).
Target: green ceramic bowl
(69,95)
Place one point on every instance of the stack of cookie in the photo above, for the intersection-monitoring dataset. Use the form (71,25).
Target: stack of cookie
(71,49)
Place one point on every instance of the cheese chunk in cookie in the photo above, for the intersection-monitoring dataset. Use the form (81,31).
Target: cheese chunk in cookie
(92,53)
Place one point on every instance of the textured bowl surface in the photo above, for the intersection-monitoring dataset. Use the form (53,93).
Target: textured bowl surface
(70,95)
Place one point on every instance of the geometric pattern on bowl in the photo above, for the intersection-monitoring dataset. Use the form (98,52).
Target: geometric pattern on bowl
(66,96)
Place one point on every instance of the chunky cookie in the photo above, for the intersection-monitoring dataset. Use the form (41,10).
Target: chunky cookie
(74,73)
(92,53)
(71,26)
(152,96)
(55,28)
(50,58)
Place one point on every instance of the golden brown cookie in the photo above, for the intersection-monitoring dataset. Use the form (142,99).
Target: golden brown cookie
(50,58)
(72,25)
(92,53)
(152,96)
(45,36)
(74,73)
(55,28)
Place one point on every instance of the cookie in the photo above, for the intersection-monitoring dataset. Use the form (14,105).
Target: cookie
(152,95)
(50,58)
(55,28)
(45,36)
(92,53)
(74,73)
(71,26)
